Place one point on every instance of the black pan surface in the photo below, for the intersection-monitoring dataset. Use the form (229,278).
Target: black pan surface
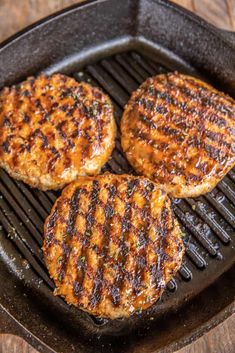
(117,45)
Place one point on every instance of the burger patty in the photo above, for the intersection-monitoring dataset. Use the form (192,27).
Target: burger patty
(54,129)
(111,244)
(180,132)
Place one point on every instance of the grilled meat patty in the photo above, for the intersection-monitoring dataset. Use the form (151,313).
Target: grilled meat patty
(54,129)
(180,132)
(111,244)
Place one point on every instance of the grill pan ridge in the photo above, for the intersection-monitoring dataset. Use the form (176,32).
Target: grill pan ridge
(202,292)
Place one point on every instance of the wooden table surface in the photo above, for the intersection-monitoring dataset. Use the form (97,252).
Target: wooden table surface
(15,15)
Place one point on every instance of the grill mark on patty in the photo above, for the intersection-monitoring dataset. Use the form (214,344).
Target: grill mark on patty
(147,104)
(43,137)
(202,167)
(7,121)
(213,117)
(211,151)
(59,128)
(215,153)
(167,98)
(53,218)
(90,221)
(116,288)
(98,281)
(146,119)
(6,145)
(55,156)
(98,126)
(78,132)
(193,177)
(167,225)
(143,240)
(118,217)
(28,143)
(207,98)
(148,122)
(144,136)
(164,230)
(218,138)
(176,135)
(69,144)
(71,231)
(181,122)
(92,112)
(199,109)
(223,97)
(44,119)
(217,120)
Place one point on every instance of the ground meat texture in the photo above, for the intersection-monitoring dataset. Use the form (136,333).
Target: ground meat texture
(54,129)
(111,244)
(180,132)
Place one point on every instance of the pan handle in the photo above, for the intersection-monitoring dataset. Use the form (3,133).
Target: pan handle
(229,36)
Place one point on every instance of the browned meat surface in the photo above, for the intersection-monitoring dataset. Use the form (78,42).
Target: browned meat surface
(53,129)
(111,244)
(180,132)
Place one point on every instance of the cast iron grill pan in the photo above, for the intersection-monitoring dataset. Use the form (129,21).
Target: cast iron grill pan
(208,223)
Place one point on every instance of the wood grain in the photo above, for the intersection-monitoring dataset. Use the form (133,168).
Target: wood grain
(15,15)
(220,13)
(219,340)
